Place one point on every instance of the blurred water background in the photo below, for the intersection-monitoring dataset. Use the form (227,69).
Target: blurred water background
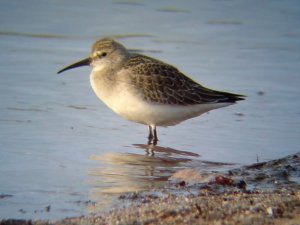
(64,153)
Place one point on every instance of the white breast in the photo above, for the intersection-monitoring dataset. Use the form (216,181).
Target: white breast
(126,102)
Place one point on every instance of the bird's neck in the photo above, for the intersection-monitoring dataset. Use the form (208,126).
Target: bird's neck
(102,82)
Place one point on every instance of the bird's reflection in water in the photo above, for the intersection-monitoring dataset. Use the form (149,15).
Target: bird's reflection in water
(119,173)
(152,149)
(129,172)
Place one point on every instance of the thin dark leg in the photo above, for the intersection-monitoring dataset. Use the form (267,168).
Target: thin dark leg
(152,138)
(155,139)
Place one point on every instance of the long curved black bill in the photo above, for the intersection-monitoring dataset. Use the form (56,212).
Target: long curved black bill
(84,62)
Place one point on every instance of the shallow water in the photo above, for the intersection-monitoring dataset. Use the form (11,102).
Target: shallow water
(61,147)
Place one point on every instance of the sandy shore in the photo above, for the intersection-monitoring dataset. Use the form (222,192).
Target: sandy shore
(262,193)
(228,208)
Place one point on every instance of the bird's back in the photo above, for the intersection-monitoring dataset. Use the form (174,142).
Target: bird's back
(162,83)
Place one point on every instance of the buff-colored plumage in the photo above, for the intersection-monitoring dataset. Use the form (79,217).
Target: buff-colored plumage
(148,91)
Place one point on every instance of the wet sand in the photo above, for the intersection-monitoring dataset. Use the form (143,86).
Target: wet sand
(261,193)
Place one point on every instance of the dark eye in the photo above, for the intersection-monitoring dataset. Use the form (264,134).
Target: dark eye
(102,55)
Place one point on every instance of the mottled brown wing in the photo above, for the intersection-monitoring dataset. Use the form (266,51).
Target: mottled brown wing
(163,83)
